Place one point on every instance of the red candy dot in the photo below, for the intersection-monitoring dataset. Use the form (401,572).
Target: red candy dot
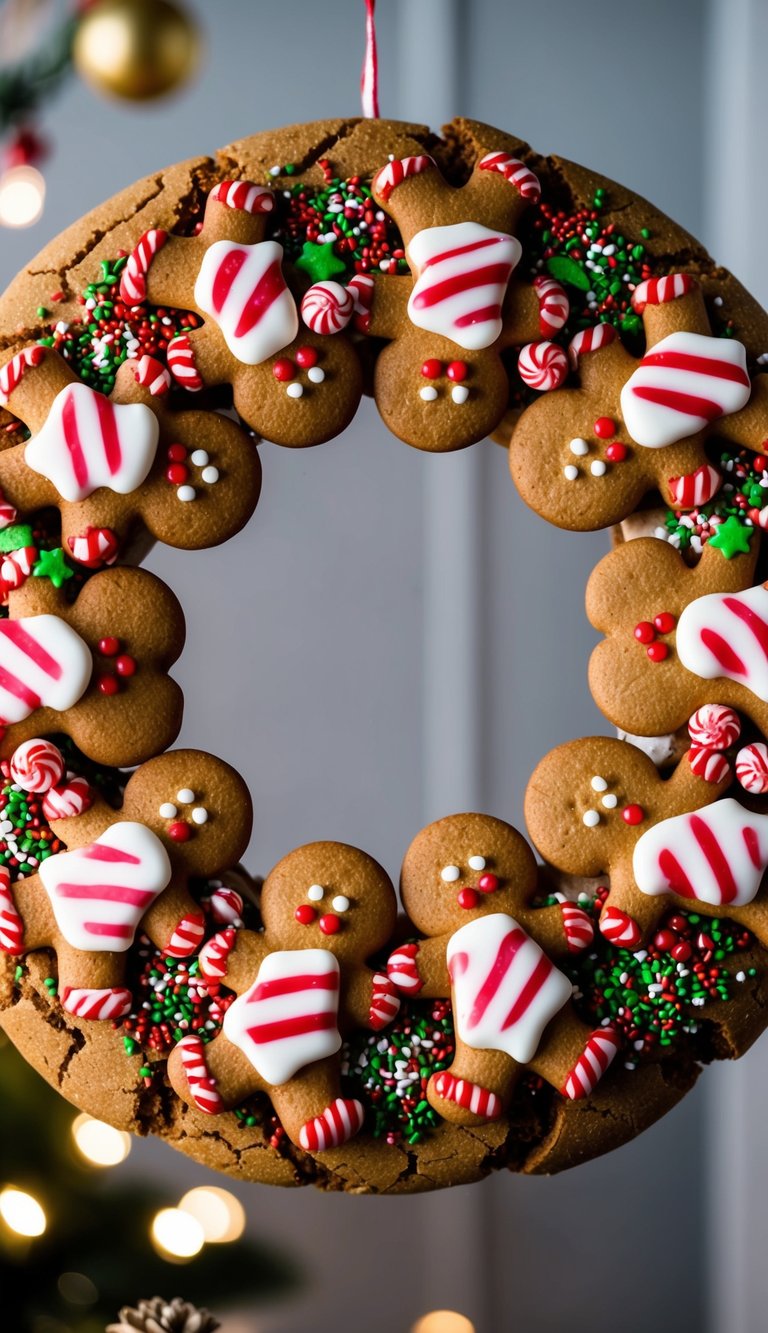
(284,369)
(432,369)
(179,831)
(682,952)
(330,923)
(605,428)
(176,474)
(616,452)
(679,924)
(109,646)
(177,453)
(665,622)
(657,651)
(457,371)
(488,884)
(305,914)
(644,632)
(665,940)
(125,665)
(633,814)
(109,685)
(468,898)
(306,357)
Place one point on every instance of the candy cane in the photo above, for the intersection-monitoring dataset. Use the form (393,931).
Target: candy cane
(470,1096)
(399,169)
(554,306)
(94,547)
(214,954)
(619,928)
(599,1052)
(202,1087)
(152,375)
(542,366)
(243,196)
(403,970)
(327,307)
(578,927)
(361,289)
(369,76)
(37,765)
(695,488)
(133,284)
(11,924)
(12,373)
(714,726)
(385,1003)
(515,172)
(226,906)
(338,1123)
(709,764)
(15,569)
(590,340)
(186,936)
(657,291)
(71,798)
(752,768)
(182,363)
(96,1005)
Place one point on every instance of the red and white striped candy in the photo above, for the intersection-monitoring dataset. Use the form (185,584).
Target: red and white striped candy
(214,955)
(72,798)
(726,634)
(714,726)
(339,1122)
(15,569)
(37,765)
(385,1002)
(597,1055)
(554,306)
(182,363)
(327,307)
(717,855)
(88,441)
(657,291)
(226,906)
(96,1005)
(361,289)
(243,290)
(8,512)
(695,488)
(94,547)
(11,924)
(13,371)
(43,663)
(133,284)
(752,768)
(394,173)
(515,172)
(709,764)
(153,375)
(403,970)
(590,340)
(462,271)
(243,195)
(683,383)
(202,1087)
(470,1096)
(578,927)
(619,928)
(542,366)
(186,936)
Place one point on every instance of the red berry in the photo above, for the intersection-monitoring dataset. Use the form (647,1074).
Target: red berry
(457,371)
(109,685)
(330,923)
(665,940)
(682,951)
(488,883)
(177,453)
(305,914)
(633,814)
(306,357)
(468,898)
(284,369)
(432,369)
(605,428)
(125,665)
(176,474)
(657,652)
(644,632)
(179,831)
(109,646)
(616,452)
(665,622)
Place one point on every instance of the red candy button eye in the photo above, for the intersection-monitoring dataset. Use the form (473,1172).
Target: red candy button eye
(125,665)
(644,632)
(633,814)
(330,923)
(177,453)
(616,452)
(432,369)
(306,357)
(109,646)
(467,898)
(605,428)
(109,685)
(284,369)
(180,832)
(176,474)
(665,622)
(488,884)
(657,651)
(305,914)
(457,371)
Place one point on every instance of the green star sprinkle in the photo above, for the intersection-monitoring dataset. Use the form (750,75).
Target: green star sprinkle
(732,538)
(52,565)
(319,261)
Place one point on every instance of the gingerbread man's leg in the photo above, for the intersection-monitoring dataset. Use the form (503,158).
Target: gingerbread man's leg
(572,1057)
(175,923)
(104,996)
(214,1077)
(311,1110)
(475,1088)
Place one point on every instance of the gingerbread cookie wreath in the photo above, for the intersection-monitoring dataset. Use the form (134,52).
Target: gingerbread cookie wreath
(297,1029)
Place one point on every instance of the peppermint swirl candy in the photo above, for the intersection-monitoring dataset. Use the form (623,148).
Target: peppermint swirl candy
(226,906)
(542,366)
(714,726)
(752,768)
(327,307)
(709,764)
(37,765)
(72,798)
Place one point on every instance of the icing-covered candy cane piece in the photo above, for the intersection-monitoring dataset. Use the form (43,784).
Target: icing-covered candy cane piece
(214,954)
(463,270)
(11,924)
(99,893)
(590,340)
(43,664)
(717,855)
(88,441)
(506,989)
(339,1122)
(327,307)
(516,172)
(69,799)
(470,1096)
(714,726)
(695,488)
(12,373)
(95,547)
(619,928)
(226,906)
(554,306)
(684,382)
(726,634)
(244,195)
(657,291)
(182,364)
(752,768)
(243,290)
(598,1054)
(709,764)
(542,366)
(201,1085)
(153,375)
(96,1004)
(385,1002)
(133,284)
(36,765)
(578,927)
(398,170)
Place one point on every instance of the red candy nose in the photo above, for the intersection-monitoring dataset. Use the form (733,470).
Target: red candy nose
(180,832)
(488,884)
(467,898)
(330,923)
(305,914)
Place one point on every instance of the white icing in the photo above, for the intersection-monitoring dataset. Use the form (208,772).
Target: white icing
(274,323)
(288,1018)
(655,423)
(721,851)
(719,614)
(43,664)
(462,256)
(88,441)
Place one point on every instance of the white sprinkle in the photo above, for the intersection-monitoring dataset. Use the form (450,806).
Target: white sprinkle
(199,458)
(741,976)
(579,447)
(610,801)
(428,394)
(185,494)
(315,892)
(459,393)
(570,472)
(316,374)
(199,815)
(599,784)
(167,810)
(295,390)
(597,467)
(718,301)
(274,171)
(591,818)
(210,475)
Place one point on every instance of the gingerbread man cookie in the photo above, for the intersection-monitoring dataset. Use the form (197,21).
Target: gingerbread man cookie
(466,884)
(441,382)
(184,815)
(192,479)
(600,807)
(584,457)
(289,385)
(326,908)
(677,638)
(95,669)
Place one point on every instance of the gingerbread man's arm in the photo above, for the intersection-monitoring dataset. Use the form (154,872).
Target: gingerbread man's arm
(747,428)
(174,923)
(389,303)
(368,999)
(23,488)
(562,929)
(243,959)
(33,906)
(420,968)
(83,829)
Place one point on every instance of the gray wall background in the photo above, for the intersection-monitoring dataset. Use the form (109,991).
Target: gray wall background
(321,646)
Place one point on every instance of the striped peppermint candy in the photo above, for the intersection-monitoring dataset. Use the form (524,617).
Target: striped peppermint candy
(226,906)
(95,547)
(470,1096)
(96,1005)
(597,1055)
(542,366)
(244,196)
(202,1087)
(709,764)
(187,936)
(15,569)
(726,634)
(619,928)
(752,768)
(13,371)
(403,970)
(11,924)
(578,927)
(88,441)
(462,271)
(554,306)
(289,1017)
(399,169)
(714,726)
(243,290)
(695,488)
(133,284)
(153,375)
(385,1002)
(657,291)
(327,307)
(8,512)
(182,363)
(339,1122)
(590,340)
(71,798)
(361,289)
(681,385)
(37,765)
(717,855)
(214,954)
(43,664)
(515,172)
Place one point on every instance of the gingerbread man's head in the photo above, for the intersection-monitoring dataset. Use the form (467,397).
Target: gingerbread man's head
(463,867)
(332,896)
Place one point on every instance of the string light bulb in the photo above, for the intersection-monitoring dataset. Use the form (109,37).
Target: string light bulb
(177,1234)
(220,1214)
(443,1321)
(99,1143)
(21,1212)
(22,196)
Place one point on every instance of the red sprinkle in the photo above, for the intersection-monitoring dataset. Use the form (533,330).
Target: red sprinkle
(432,369)
(665,622)
(488,883)
(179,831)
(616,452)
(284,369)
(468,898)
(457,370)
(657,651)
(125,665)
(633,814)
(330,923)
(665,940)
(176,453)
(605,428)
(305,914)
(109,646)
(645,632)
(176,474)
(306,357)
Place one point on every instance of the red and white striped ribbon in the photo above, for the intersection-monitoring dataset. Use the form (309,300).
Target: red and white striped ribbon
(369,78)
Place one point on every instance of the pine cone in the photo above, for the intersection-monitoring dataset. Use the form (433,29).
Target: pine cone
(159,1316)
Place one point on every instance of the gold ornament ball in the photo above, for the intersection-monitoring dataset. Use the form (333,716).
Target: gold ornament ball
(136,49)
